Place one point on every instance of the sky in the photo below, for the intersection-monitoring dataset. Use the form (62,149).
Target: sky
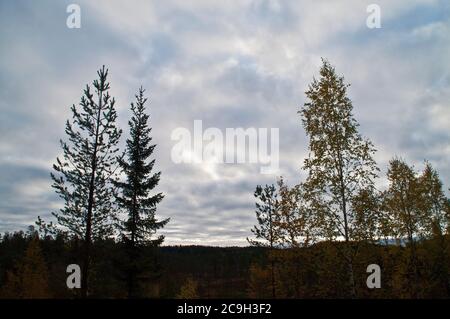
(230,64)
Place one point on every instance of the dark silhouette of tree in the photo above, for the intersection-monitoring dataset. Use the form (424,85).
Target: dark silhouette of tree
(266,232)
(340,161)
(135,196)
(401,200)
(294,222)
(435,209)
(434,205)
(418,206)
(285,224)
(83,176)
(368,216)
(267,204)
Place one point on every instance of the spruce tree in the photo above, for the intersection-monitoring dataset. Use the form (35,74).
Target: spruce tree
(135,197)
(83,176)
(340,162)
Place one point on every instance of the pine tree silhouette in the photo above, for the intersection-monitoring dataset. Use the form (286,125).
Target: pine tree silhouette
(83,177)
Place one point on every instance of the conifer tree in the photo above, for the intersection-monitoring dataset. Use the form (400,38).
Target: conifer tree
(340,161)
(267,214)
(83,176)
(267,232)
(135,197)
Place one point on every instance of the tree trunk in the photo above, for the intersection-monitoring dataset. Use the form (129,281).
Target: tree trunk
(351,277)
(88,235)
(273,279)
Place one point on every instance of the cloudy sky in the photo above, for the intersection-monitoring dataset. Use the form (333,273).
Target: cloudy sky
(231,64)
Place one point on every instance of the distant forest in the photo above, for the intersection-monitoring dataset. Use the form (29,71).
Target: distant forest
(333,235)
(33,268)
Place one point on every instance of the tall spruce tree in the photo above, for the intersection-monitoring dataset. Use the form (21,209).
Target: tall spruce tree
(83,176)
(135,196)
(340,161)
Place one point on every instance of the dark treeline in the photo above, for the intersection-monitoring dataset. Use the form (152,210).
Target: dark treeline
(315,239)
(33,267)
(36,268)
